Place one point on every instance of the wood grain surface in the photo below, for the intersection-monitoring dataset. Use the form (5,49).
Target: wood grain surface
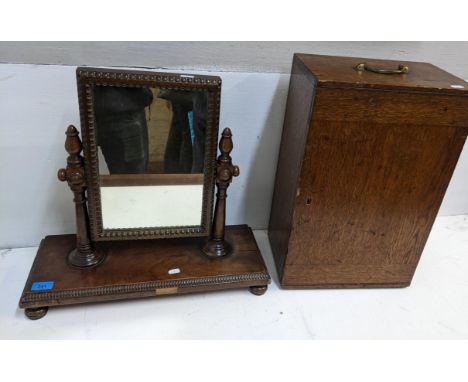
(293,141)
(372,177)
(134,269)
(118,180)
(424,77)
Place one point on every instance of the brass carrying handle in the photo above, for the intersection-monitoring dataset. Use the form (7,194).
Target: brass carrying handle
(402,69)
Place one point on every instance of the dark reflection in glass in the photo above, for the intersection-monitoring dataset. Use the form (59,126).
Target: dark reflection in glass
(185,144)
(121,127)
(150,130)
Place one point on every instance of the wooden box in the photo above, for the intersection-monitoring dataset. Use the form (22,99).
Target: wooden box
(364,163)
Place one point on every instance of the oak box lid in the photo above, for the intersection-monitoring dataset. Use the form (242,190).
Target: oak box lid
(341,72)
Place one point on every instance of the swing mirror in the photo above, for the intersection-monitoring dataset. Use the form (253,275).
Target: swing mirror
(150,149)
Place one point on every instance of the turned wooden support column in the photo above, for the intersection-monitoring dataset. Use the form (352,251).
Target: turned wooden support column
(83,255)
(216,245)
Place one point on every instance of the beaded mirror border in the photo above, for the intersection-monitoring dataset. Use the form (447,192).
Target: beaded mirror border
(87,79)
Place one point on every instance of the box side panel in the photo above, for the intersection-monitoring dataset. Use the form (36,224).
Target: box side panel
(349,276)
(295,129)
(376,107)
(370,188)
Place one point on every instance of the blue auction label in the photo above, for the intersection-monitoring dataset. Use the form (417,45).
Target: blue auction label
(43,285)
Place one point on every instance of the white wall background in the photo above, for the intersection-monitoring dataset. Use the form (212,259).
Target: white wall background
(38,100)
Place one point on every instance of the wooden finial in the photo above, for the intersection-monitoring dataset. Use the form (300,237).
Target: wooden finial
(217,246)
(83,255)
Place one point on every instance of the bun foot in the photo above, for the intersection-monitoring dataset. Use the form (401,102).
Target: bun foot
(36,313)
(258,290)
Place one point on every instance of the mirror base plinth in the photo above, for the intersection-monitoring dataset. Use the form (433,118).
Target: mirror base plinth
(217,249)
(141,268)
(79,259)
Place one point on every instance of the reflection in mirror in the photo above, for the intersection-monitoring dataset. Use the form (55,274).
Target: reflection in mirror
(151,148)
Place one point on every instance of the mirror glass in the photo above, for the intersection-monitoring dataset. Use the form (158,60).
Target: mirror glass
(151,152)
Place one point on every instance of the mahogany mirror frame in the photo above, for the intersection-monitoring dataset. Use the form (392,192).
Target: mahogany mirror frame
(87,79)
